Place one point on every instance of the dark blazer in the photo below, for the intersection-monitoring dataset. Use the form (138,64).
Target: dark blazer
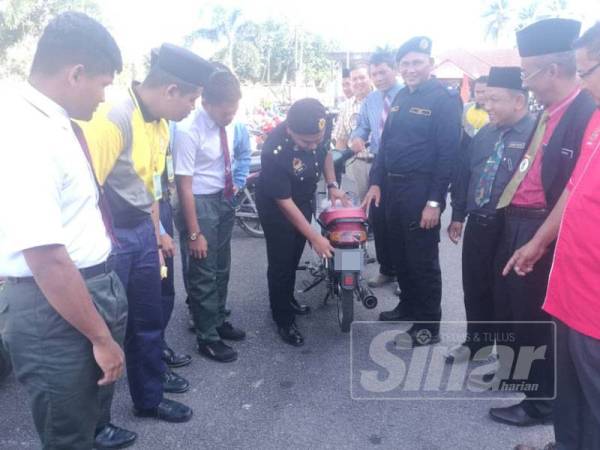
(562,151)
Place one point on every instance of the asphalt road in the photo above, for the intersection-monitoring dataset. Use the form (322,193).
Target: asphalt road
(276,396)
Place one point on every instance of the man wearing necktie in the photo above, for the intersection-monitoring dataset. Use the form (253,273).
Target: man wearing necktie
(419,148)
(547,69)
(63,310)
(486,167)
(371,119)
(206,166)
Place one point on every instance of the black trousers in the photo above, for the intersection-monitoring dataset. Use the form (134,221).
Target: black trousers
(285,246)
(414,250)
(520,298)
(480,245)
(378,222)
(577,406)
(167,287)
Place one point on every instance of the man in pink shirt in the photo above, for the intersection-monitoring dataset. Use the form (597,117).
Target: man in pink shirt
(573,297)
(549,71)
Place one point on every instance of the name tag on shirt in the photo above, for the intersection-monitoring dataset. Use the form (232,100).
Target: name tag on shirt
(157,186)
(567,152)
(517,145)
(420,111)
(170,170)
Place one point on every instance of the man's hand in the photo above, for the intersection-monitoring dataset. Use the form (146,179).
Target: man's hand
(430,218)
(199,247)
(455,231)
(338,194)
(373,194)
(523,260)
(110,359)
(168,245)
(357,145)
(321,246)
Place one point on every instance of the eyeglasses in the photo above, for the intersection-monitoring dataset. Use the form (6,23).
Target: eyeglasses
(530,76)
(588,72)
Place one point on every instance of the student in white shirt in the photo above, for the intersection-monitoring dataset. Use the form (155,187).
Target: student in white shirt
(204,157)
(63,310)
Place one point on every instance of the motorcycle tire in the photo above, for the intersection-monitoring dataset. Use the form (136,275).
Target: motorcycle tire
(251,225)
(345,305)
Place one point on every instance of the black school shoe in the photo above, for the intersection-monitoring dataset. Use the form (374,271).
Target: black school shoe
(218,351)
(398,314)
(291,335)
(174,384)
(300,310)
(174,360)
(111,436)
(229,332)
(518,416)
(168,411)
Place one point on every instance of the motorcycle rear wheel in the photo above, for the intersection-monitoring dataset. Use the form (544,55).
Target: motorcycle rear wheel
(345,305)
(249,222)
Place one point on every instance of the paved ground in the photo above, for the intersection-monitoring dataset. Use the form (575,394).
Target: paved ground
(276,396)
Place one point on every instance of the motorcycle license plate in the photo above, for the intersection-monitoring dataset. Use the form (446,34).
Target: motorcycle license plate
(348,259)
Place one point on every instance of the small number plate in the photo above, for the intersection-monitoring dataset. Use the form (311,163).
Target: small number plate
(348,259)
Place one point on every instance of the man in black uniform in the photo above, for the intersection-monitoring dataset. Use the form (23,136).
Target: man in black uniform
(416,158)
(486,168)
(291,163)
(548,69)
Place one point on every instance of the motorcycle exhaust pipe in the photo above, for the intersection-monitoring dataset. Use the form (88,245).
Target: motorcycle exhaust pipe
(367,297)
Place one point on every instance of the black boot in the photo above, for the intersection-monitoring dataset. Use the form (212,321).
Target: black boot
(299,309)
(173,359)
(229,332)
(291,335)
(218,350)
(399,314)
(111,436)
(175,384)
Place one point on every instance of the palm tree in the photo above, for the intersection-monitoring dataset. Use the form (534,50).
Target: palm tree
(224,27)
(498,17)
(528,14)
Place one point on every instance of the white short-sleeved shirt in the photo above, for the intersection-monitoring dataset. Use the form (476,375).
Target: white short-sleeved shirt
(47,191)
(197,152)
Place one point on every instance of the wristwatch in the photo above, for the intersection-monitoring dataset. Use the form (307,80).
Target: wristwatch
(194,236)
(333,184)
(433,204)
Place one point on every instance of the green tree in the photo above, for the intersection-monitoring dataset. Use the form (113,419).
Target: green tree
(270,52)
(498,18)
(21,23)
(223,28)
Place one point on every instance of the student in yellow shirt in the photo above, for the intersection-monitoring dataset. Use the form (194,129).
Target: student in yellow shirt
(128,142)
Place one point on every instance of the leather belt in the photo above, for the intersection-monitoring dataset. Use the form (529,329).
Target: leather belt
(86,273)
(527,213)
(483,219)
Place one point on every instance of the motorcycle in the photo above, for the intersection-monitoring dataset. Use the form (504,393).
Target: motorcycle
(246,213)
(346,229)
